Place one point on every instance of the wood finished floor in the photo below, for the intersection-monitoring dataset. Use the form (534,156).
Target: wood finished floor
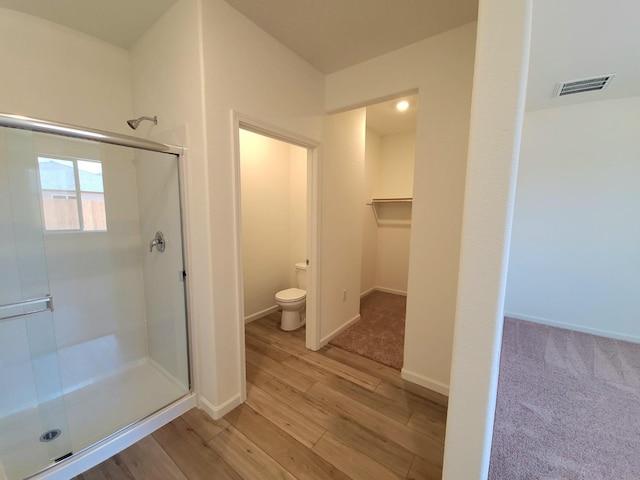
(329,414)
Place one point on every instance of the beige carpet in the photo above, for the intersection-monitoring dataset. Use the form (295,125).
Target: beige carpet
(568,406)
(379,334)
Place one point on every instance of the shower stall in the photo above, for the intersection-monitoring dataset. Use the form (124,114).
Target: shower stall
(93,323)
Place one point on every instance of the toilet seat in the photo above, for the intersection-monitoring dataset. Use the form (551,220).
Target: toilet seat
(291,295)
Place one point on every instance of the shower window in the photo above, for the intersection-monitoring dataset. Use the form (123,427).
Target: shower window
(72,193)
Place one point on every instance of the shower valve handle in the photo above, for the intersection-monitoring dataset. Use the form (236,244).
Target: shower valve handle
(158,242)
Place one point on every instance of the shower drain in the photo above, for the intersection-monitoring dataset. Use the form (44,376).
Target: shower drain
(50,435)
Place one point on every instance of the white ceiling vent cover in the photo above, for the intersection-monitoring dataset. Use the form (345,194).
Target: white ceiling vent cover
(584,85)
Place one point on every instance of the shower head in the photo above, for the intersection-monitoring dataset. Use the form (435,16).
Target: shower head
(136,121)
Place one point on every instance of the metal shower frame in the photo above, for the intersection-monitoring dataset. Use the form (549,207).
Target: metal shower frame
(74,131)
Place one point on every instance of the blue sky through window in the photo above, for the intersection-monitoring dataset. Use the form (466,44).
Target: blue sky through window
(56,174)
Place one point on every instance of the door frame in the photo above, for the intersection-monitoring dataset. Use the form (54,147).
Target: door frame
(245,122)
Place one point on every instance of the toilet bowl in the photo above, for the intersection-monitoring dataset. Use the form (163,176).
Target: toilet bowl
(293,301)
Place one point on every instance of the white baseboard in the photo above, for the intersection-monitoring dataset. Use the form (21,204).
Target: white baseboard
(382,289)
(367,292)
(261,313)
(338,330)
(574,327)
(221,410)
(425,382)
(391,290)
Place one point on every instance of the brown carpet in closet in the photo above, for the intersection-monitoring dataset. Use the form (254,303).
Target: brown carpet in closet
(379,334)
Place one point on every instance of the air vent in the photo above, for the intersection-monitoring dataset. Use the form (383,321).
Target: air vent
(584,85)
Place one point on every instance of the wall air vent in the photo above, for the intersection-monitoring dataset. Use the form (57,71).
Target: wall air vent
(584,85)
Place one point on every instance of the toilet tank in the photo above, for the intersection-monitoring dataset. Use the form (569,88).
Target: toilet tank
(301,275)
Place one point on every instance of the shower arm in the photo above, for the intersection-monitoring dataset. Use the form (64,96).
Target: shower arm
(135,122)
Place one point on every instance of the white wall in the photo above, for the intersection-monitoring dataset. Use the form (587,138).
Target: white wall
(498,103)
(389,165)
(297,209)
(395,179)
(176,95)
(369,225)
(248,71)
(274,185)
(62,75)
(397,159)
(264,171)
(574,258)
(342,198)
(393,258)
(442,69)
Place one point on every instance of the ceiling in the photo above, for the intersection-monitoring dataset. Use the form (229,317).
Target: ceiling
(573,39)
(329,34)
(119,22)
(335,34)
(385,119)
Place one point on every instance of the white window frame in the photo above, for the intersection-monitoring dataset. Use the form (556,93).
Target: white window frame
(78,194)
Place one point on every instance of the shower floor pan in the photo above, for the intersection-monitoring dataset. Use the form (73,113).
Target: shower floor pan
(93,412)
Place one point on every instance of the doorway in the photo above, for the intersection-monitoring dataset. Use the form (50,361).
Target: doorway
(388,171)
(276,222)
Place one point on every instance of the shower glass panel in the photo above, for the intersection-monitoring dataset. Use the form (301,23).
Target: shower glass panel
(93,328)
(31,402)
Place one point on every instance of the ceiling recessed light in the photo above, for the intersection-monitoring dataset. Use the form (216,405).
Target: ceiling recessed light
(402,105)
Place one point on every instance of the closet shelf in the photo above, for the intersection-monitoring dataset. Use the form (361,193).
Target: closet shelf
(391,200)
(392,211)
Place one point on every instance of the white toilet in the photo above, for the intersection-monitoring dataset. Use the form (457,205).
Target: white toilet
(293,300)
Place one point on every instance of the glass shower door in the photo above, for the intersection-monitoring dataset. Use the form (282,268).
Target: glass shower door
(33,421)
(94,230)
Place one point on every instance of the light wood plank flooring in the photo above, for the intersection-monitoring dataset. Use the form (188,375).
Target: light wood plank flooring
(329,414)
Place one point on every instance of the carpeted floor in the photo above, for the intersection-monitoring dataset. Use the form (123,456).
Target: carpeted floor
(379,334)
(568,406)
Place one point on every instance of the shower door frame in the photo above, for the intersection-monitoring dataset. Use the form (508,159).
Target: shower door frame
(84,133)
(107,447)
